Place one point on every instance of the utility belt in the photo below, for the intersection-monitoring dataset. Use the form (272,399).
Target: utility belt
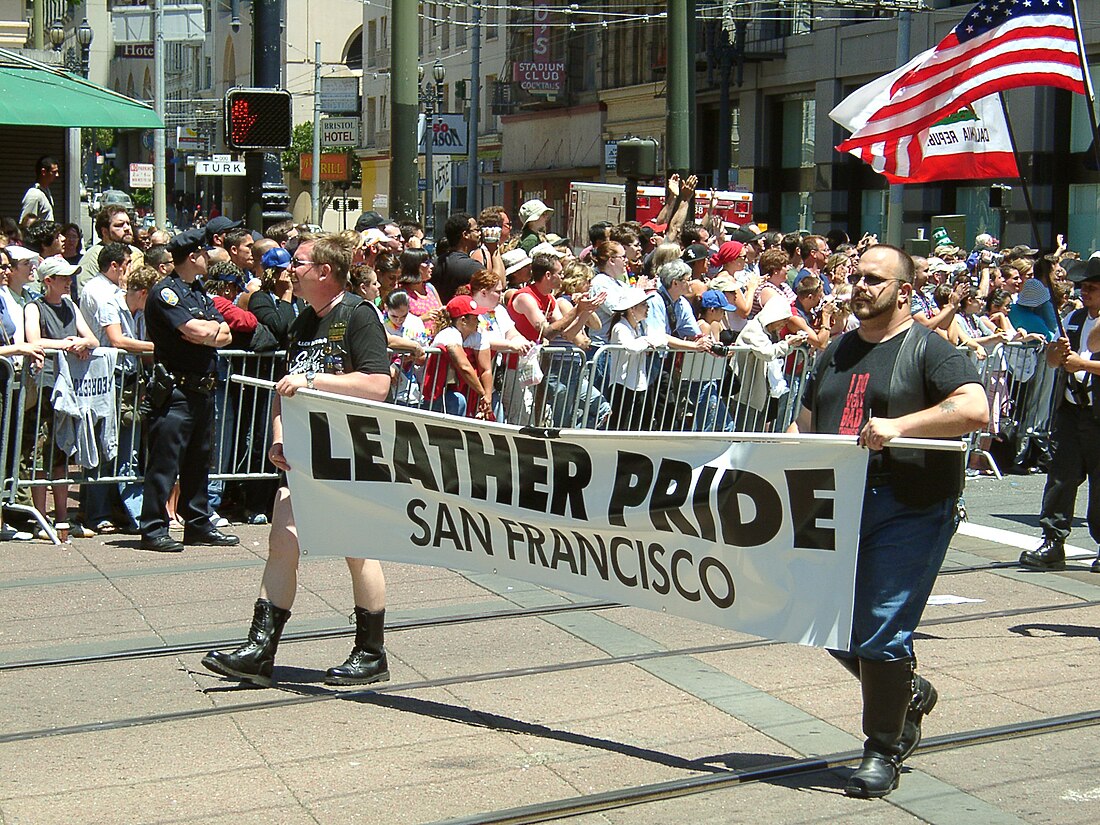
(195,382)
(162,382)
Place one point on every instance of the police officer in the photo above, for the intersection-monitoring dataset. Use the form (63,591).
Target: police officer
(186,330)
(1076,432)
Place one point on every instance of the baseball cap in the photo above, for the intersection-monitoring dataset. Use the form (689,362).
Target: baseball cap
(547,248)
(723,283)
(369,220)
(514,259)
(713,299)
(532,210)
(374,237)
(218,226)
(695,252)
(656,227)
(21,253)
(1022,251)
(187,242)
(55,266)
(277,258)
(462,305)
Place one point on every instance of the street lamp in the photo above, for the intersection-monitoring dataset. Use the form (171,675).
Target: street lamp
(84,35)
(84,38)
(431,98)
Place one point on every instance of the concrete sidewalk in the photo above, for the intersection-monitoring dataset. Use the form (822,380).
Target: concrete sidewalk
(493,714)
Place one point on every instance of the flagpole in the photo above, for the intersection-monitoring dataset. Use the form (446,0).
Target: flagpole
(1020,171)
(1090,97)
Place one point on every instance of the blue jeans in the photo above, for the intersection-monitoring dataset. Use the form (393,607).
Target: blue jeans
(901,549)
(451,402)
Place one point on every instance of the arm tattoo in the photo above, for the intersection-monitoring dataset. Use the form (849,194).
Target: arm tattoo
(948,406)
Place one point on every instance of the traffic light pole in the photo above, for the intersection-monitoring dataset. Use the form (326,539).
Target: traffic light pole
(404,96)
(268,195)
(160,188)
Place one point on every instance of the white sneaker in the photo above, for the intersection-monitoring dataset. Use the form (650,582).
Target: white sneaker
(218,521)
(8,534)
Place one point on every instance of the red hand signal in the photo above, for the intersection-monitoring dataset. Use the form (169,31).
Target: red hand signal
(242,120)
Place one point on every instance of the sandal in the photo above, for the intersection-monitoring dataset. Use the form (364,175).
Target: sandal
(105,528)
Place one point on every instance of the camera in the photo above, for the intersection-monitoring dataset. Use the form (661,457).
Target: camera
(721,350)
(491,234)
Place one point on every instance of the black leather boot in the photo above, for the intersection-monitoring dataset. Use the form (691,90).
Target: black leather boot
(848,662)
(924,699)
(367,662)
(887,694)
(1050,555)
(253,661)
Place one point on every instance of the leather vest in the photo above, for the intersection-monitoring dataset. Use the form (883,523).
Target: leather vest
(1074,324)
(918,478)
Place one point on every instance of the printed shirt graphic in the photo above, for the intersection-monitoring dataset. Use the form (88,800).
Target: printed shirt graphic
(338,343)
(855,405)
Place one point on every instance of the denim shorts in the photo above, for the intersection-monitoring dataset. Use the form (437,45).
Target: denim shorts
(901,550)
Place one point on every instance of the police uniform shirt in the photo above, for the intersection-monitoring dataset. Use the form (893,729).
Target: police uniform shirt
(172,303)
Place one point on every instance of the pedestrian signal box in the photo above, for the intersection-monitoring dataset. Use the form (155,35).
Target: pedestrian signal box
(258,119)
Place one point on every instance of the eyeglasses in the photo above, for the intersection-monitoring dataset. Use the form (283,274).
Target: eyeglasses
(295,263)
(870,280)
(5,266)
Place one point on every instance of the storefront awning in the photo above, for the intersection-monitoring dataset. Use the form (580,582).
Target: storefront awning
(38,95)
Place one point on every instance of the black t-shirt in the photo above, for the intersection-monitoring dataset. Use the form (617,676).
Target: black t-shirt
(349,338)
(856,386)
(456,271)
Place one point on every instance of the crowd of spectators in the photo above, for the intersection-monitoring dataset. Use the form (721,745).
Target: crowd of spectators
(502,319)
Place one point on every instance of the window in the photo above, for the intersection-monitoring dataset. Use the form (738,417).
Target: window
(1084,209)
(383,33)
(798,120)
(488,119)
(491,14)
(445,35)
(796,210)
(872,208)
(460,26)
(372,120)
(383,114)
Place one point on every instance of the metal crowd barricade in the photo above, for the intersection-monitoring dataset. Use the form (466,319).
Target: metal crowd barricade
(1020,387)
(240,435)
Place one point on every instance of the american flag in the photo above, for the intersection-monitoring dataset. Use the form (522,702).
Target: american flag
(1000,44)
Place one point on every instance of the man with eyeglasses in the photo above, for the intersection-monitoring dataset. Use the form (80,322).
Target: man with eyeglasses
(186,330)
(893,377)
(1076,433)
(337,345)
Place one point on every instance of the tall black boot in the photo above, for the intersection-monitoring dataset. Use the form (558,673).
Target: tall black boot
(253,661)
(367,662)
(924,699)
(887,693)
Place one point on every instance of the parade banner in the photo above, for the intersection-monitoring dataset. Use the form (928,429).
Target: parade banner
(751,533)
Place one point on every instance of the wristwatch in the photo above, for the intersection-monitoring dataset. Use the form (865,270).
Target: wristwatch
(310,375)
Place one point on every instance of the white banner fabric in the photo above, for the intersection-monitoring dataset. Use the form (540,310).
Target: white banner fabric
(734,531)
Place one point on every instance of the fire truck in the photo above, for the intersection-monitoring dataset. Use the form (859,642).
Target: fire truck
(590,203)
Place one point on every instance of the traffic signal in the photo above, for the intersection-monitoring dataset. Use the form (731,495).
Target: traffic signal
(258,119)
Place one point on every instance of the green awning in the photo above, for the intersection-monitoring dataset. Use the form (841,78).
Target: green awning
(31,96)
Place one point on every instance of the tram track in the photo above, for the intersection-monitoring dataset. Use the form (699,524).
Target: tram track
(161,651)
(707,783)
(299,695)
